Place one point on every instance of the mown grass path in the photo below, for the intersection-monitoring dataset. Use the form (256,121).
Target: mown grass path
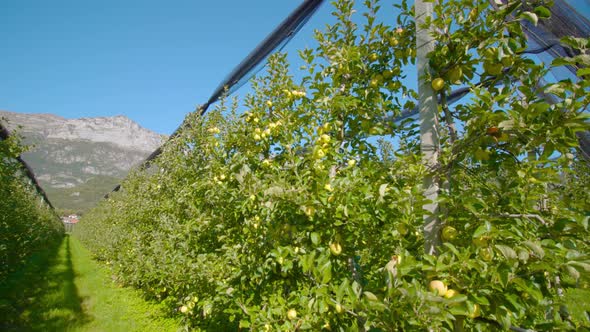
(63,289)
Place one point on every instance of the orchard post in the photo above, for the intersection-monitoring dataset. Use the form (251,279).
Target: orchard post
(429,141)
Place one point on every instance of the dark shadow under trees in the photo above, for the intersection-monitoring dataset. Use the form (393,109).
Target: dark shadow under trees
(43,296)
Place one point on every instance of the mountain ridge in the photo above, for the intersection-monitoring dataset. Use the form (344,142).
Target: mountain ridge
(78,160)
(53,126)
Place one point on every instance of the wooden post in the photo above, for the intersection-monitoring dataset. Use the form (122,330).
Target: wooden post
(429,140)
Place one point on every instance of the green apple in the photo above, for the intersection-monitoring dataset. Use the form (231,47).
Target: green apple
(438,84)
(492,68)
(455,74)
(449,233)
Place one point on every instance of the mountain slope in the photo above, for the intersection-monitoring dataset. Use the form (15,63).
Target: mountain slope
(77,161)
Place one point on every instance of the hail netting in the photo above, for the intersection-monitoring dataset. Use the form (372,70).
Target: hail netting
(544,42)
(275,41)
(565,20)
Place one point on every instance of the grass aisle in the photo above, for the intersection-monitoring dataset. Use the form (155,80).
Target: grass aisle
(63,289)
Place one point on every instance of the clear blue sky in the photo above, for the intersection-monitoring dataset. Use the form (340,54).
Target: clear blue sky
(152,61)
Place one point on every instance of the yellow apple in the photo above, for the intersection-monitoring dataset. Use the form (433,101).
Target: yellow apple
(438,84)
(438,286)
(487,254)
(325,138)
(335,248)
(394,85)
(319,154)
(449,233)
(480,242)
(376,81)
(393,41)
(213,130)
(387,74)
(473,14)
(451,293)
(475,312)
(292,314)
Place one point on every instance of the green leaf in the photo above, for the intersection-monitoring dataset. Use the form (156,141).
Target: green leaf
(536,248)
(573,272)
(508,252)
(506,125)
(481,299)
(481,230)
(555,89)
(561,62)
(583,59)
(504,275)
(532,17)
(523,255)
(582,265)
(459,310)
(513,299)
(576,43)
(370,296)
(457,299)
(326,271)
(542,12)
(382,190)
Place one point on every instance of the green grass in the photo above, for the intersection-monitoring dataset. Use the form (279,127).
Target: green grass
(63,289)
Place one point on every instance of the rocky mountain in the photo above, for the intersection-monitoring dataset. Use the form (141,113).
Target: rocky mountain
(77,161)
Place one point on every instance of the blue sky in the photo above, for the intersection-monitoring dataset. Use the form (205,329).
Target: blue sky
(149,60)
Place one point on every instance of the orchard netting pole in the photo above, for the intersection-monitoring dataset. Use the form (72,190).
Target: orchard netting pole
(429,141)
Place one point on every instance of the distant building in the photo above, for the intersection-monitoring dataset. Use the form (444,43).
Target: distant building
(69,222)
(71,219)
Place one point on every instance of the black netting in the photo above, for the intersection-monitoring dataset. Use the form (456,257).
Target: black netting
(543,41)
(565,21)
(274,42)
(27,170)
